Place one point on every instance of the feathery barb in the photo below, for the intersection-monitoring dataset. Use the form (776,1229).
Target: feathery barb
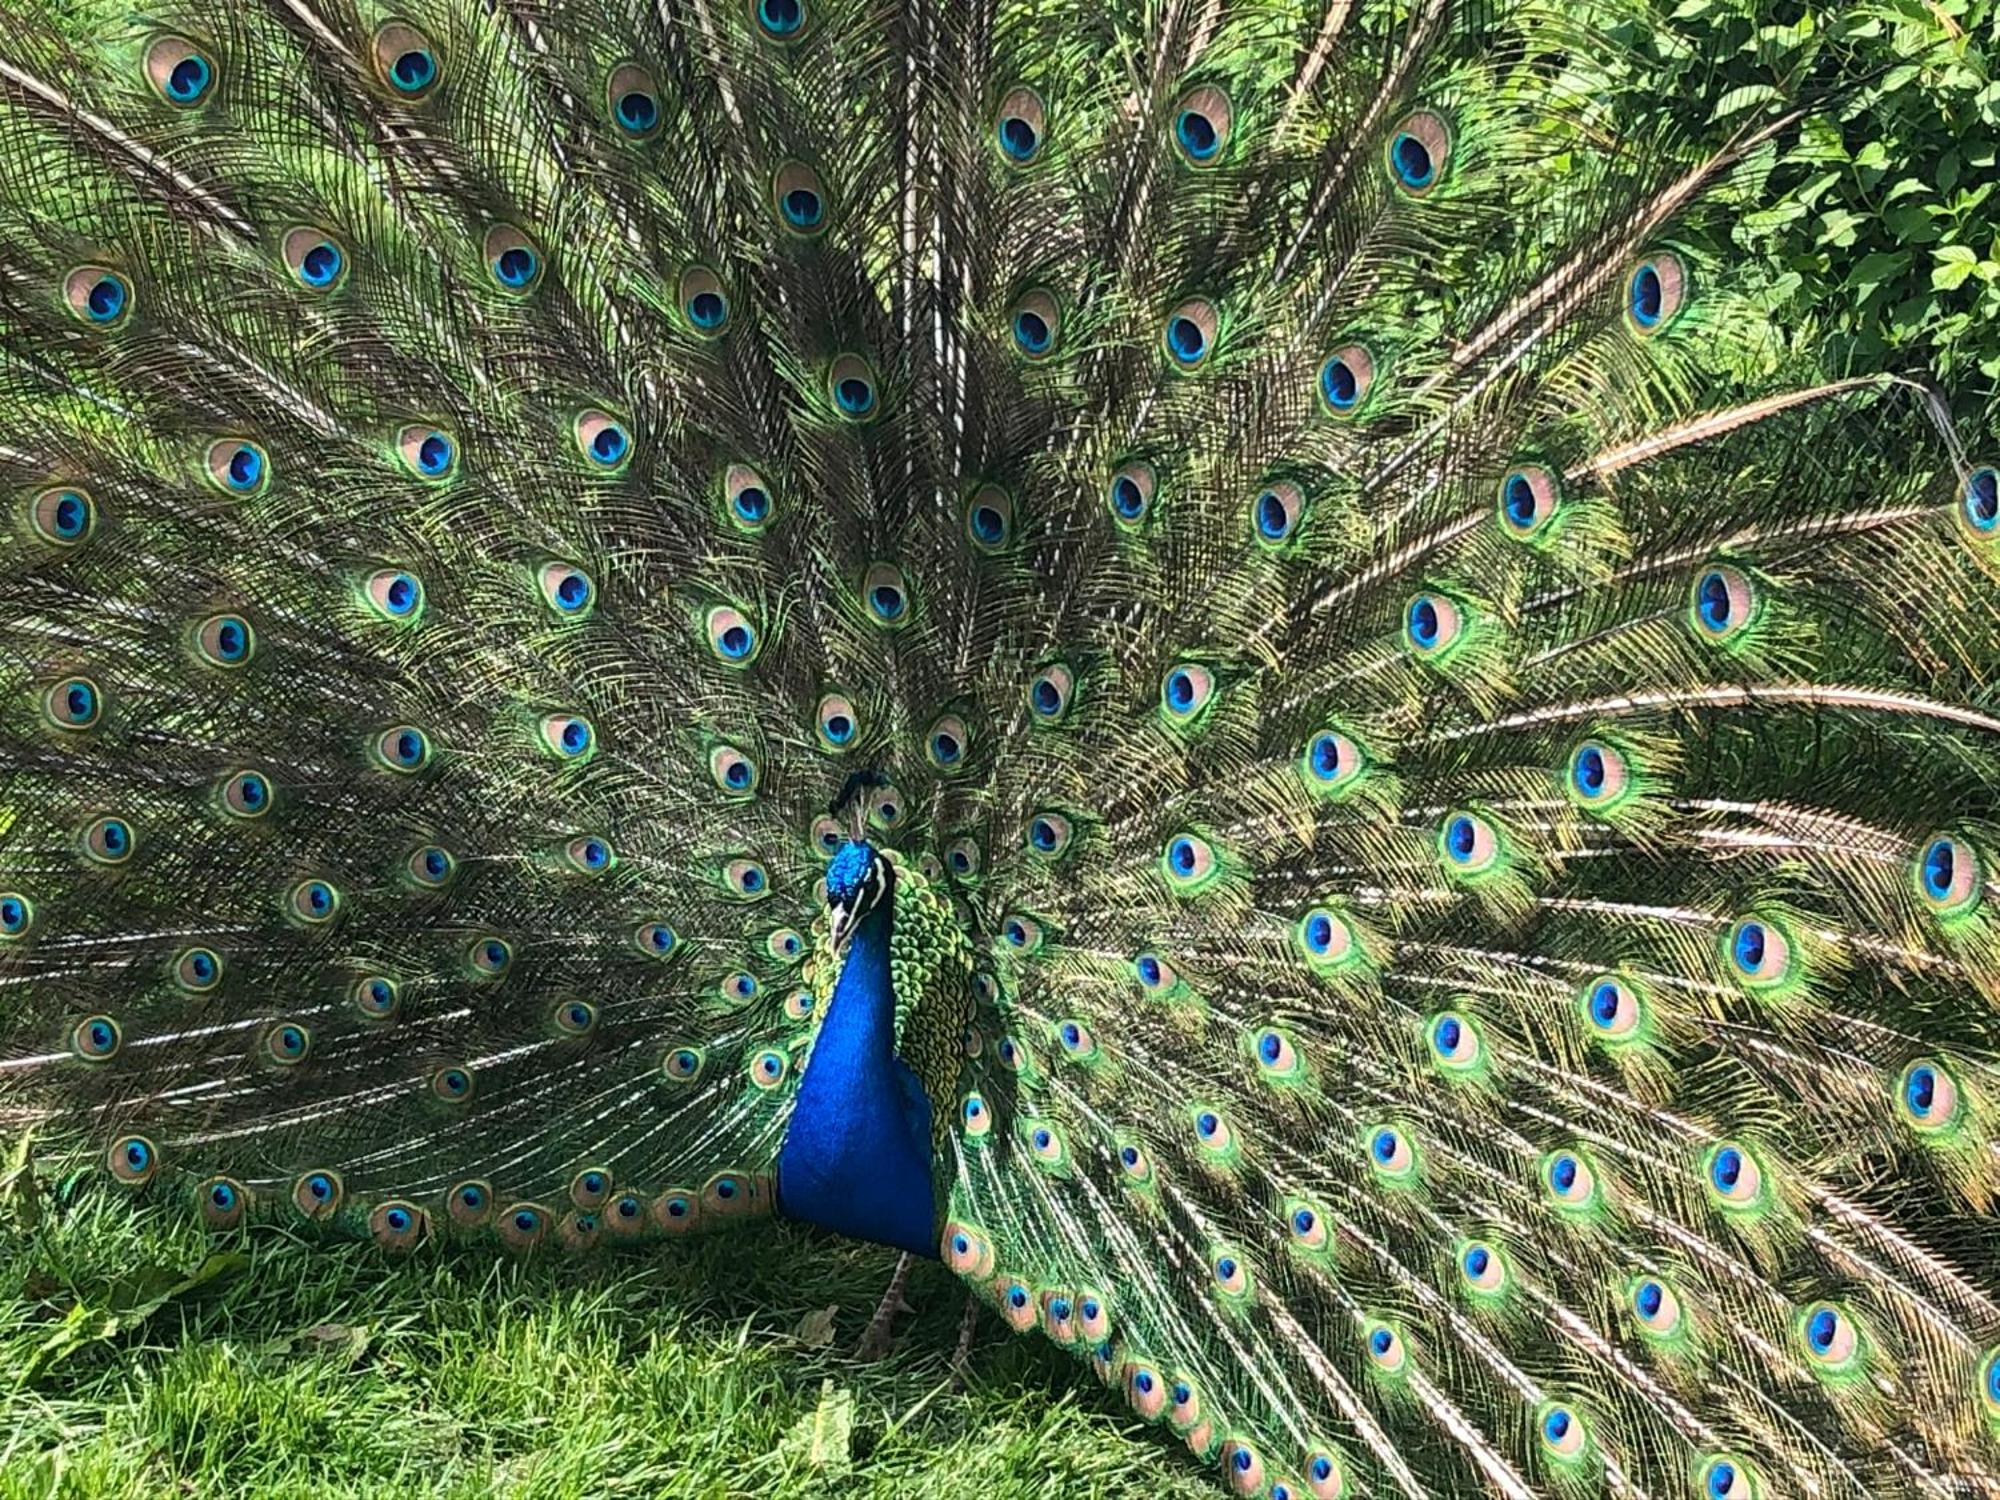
(1465,828)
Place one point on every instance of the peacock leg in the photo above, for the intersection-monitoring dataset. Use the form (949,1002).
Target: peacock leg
(875,1342)
(961,1357)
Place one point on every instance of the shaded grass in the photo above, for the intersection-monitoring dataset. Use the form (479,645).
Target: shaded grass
(300,1368)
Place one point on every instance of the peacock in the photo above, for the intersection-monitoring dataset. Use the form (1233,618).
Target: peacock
(1200,656)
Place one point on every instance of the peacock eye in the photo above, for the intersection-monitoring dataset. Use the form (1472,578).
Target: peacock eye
(967,1251)
(1529,496)
(851,385)
(179,71)
(588,854)
(1612,1009)
(198,970)
(1734,1179)
(574,1018)
(1331,763)
(768,1068)
(489,957)
(947,742)
(1432,625)
(1979,505)
(1928,1095)
(237,465)
(732,771)
(375,996)
(799,199)
(1130,493)
(746,498)
(1655,1306)
(1186,691)
(1562,1431)
(1829,1335)
(73,703)
(394,594)
(1345,379)
(1276,1056)
(315,259)
(313,902)
(1051,692)
(427,452)
(1189,334)
(1035,321)
(1569,1180)
(1417,153)
(747,879)
(1275,513)
(405,60)
(634,101)
(1599,775)
(247,795)
(655,940)
(1325,1478)
(62,517)
(1948,876)
(568,736)
(1722,604)
(1469,843)
(1481,1269)
(886,595)
(1384,1347)
(703,302)
(837,723)
(1760,955)
(512,260)
(1656,289)
(1390,1152)
(1455,1042)
(1728,1478)
(1020,125)
(108,841)
(989,518)
(17,915)
(779,20)
(1326,939)
(225,640)
(1201,123)
(98,295)
(1189,863)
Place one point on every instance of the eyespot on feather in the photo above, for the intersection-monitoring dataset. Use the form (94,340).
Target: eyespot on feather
(427,452)
(633,100)
(1020,126)
(512,260)
(799,199)
(1188,334)
(98,295)
(179,71)
(1418,152)
(1202,120)
(405,61)
(315,259)
(1346,377)
(1656,289)
(63,516)
(850,385)
(225,641)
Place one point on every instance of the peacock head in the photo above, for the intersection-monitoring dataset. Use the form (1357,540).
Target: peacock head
(859,878)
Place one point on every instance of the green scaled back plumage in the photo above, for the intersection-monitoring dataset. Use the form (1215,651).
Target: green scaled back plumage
(1472,825)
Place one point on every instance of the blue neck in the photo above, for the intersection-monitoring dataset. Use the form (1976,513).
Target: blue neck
(857,1154)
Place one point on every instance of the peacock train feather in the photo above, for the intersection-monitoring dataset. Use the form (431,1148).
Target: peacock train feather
(1148,645)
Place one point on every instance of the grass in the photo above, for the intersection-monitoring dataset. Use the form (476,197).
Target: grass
(139,1356)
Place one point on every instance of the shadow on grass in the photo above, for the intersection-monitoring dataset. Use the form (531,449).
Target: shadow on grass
(141,1356)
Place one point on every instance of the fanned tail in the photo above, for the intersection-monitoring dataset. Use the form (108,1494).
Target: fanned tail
(1476,820)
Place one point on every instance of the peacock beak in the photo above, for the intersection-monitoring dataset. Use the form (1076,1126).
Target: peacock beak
(839,926)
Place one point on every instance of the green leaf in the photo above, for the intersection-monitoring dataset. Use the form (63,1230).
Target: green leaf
(1955,265)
